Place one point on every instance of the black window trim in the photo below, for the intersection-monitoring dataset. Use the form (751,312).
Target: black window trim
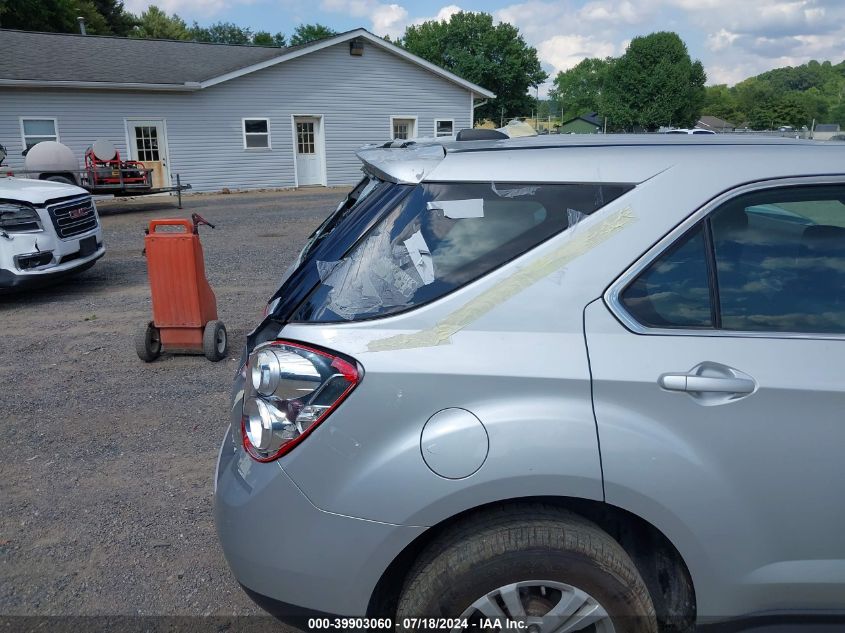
(613,294)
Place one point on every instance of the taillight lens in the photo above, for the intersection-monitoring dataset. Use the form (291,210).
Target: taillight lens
(290,390)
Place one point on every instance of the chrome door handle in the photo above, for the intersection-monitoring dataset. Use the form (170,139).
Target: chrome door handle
(705,384)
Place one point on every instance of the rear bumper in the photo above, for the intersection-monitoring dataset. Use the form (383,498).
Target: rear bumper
(294,558)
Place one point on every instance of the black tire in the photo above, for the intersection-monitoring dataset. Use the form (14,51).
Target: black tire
(148,343)
(62,179)
(215,342)
(531,542)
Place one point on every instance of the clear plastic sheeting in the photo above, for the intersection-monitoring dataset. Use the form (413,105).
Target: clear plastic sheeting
(426,247)
(459,209)
(366,281)
(515,193)
(574,216)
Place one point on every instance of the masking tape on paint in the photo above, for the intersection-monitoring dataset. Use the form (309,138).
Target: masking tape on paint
(580,242)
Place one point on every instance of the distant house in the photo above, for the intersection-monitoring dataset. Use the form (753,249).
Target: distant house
(587,123)
(825,131)
(714,124)
(239,117)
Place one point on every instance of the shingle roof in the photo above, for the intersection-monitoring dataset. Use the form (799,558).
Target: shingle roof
(827,127)
(63,57)
(89,61)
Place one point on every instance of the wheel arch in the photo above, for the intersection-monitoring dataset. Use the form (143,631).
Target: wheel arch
(659,562)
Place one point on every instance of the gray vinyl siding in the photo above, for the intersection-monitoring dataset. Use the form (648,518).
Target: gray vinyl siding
(356,97)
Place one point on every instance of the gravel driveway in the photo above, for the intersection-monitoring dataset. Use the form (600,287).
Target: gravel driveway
(106,463)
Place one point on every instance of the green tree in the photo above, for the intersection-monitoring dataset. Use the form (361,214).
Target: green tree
(579,89)
(654,83)
(221,33)
(305,33)
(119,20)
(156,24)
(264,38)
(720,101)
(493,56)
(52,16)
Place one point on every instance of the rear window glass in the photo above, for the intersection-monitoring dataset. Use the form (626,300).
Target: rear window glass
(441,237)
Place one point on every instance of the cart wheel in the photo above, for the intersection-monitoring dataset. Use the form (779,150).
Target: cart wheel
(214,341)
(148,343)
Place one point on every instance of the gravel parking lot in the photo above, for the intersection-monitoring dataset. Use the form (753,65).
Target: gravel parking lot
(106,463)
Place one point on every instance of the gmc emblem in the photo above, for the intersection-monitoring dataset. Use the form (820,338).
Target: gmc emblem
(77,213)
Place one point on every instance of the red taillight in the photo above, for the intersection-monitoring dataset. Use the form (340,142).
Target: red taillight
(290,390)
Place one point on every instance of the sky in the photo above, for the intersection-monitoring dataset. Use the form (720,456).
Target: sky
(734,39)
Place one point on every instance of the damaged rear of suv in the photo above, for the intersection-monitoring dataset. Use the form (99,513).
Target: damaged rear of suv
(446,412)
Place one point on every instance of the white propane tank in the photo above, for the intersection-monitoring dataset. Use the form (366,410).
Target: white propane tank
(50,156)
(104,150)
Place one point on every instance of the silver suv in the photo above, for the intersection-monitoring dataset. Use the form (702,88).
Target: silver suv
(552,384)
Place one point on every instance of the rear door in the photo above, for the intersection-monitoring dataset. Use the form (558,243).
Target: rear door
(148,144)
(720,396)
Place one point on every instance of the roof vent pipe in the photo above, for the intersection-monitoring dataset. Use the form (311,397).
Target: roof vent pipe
(81,21)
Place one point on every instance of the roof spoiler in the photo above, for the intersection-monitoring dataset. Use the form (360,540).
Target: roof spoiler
(406,164)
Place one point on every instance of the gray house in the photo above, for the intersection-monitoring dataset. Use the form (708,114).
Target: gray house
(240,117)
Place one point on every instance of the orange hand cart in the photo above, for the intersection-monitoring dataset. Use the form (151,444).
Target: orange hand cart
(184,306)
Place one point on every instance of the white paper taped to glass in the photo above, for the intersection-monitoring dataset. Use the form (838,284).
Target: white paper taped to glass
(420,257)
(458,209)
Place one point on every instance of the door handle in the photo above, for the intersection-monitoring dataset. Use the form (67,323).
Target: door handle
(702,384)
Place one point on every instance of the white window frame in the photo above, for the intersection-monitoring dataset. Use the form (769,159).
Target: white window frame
(39,118)
(404,117)
(436,121)
(268,135)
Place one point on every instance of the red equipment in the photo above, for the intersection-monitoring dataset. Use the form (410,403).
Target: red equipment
(115,171)
(184,305)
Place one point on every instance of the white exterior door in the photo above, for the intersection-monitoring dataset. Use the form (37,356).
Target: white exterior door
(309,150)
(148,144)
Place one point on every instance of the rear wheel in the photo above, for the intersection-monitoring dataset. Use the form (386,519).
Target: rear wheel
(539,565)
(214,341)
(148,343)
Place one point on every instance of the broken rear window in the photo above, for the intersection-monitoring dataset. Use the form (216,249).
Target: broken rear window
(441,237)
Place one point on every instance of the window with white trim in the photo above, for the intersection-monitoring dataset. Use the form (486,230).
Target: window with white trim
(444,127)
(37,129)
(256,133)
(403,127)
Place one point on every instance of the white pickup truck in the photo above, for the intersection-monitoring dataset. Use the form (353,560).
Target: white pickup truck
(47,230)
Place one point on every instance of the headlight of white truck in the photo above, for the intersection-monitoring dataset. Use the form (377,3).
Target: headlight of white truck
(18,218)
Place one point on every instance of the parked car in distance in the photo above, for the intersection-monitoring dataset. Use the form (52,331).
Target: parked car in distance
(566,382)
(48,230)
(689,131)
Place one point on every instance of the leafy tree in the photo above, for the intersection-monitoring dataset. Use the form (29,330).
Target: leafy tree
(580,88)
(263,38)
(156,24)
(720,101)
(52,16)
(119,20)
(221,33)
(493,56)
(305,33)
(654,83)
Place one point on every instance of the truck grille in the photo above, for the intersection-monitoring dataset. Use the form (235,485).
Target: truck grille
(73,218)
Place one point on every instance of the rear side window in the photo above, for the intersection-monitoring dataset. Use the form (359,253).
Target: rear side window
(780,259)
(441,237)
(771,261)
(674,290)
